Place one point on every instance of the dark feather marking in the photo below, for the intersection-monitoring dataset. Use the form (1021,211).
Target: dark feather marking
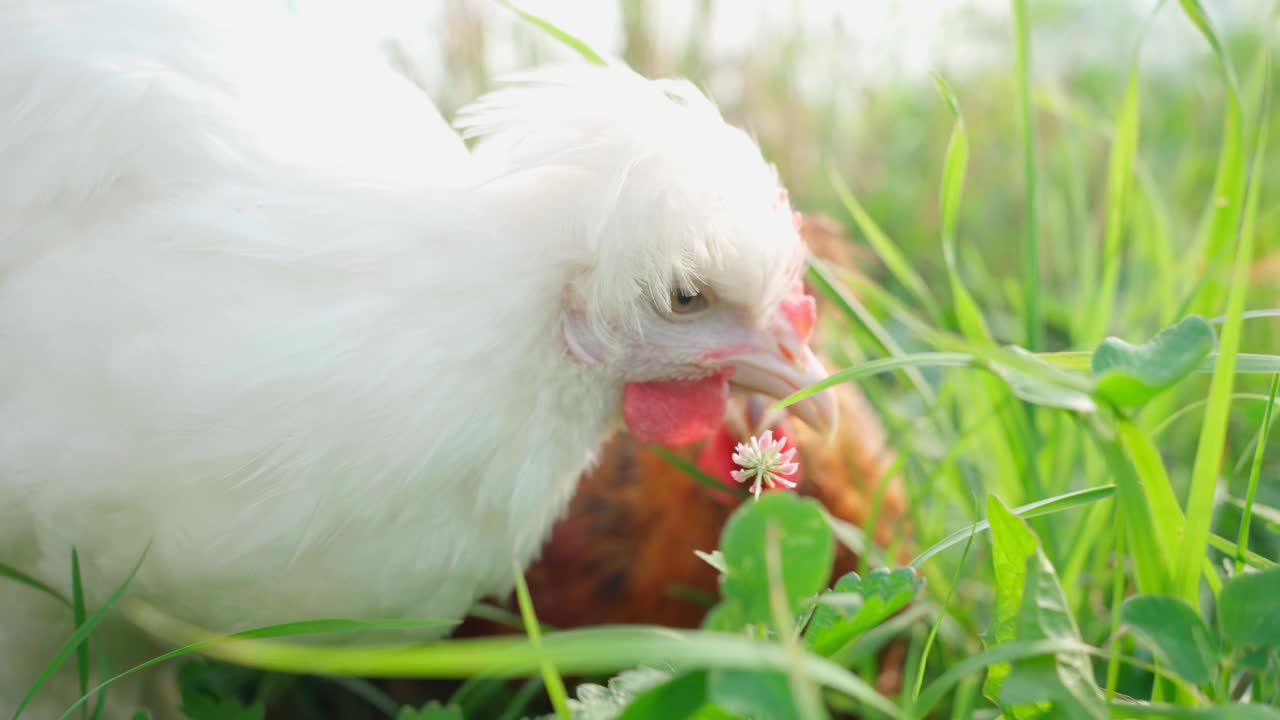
(611,587)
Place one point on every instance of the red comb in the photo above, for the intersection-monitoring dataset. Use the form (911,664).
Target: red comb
(800,310)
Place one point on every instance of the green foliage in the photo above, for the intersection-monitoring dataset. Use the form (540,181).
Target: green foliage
(806,545)
(212,691)
(1226,711)
(744,693)
(855,605)
(1031,606)
(431,711)
(1249,610)
(1043,387)
(1175,634)
(726,616)
(1130,375)
(1231,228)
(968,316)
(681,696)
(220,708)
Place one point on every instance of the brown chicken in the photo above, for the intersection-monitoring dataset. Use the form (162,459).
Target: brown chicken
(624,553)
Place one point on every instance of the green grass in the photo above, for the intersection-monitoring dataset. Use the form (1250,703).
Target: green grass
(1031,285)
(1019,223)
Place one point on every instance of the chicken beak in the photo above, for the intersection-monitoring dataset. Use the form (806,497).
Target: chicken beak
(790,367)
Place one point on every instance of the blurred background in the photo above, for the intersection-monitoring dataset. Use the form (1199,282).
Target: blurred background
(846,85)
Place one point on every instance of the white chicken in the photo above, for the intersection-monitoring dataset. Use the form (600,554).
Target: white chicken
(258,311)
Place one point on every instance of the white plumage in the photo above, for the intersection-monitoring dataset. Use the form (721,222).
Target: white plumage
(259,308)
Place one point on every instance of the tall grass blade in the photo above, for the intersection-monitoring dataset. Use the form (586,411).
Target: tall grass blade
(1048,506)
(1222,216)
(9,572)
(366,691)
(968,316)
(565,38)
(858,313)
(1248,315)
(601,649)
(876,367)
(942,613)
(1246,363)
(1124,149)
(1155,481)
(1118,578)
(893,259)
(550,676)
(1251,558)
(78,614)
(1143,540)
(1026,126)
(165,628)
(516,709)
(698,475)
(1205,470)
(1242,543)
(1250,363)
(77,638)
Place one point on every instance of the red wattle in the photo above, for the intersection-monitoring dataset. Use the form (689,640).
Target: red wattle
(676,412)
(715,458)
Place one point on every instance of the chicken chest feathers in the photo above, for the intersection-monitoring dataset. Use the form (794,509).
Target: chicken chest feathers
(261,307)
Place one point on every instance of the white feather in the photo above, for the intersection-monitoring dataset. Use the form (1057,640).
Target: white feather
(671,196)
(259,309)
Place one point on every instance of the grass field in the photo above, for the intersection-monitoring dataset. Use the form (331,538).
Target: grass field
(1073,313)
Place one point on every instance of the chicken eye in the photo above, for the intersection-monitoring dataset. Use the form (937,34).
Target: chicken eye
(683,303)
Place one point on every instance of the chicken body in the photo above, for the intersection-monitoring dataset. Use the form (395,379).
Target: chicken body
(258,316)
(624,550)
(228,341)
